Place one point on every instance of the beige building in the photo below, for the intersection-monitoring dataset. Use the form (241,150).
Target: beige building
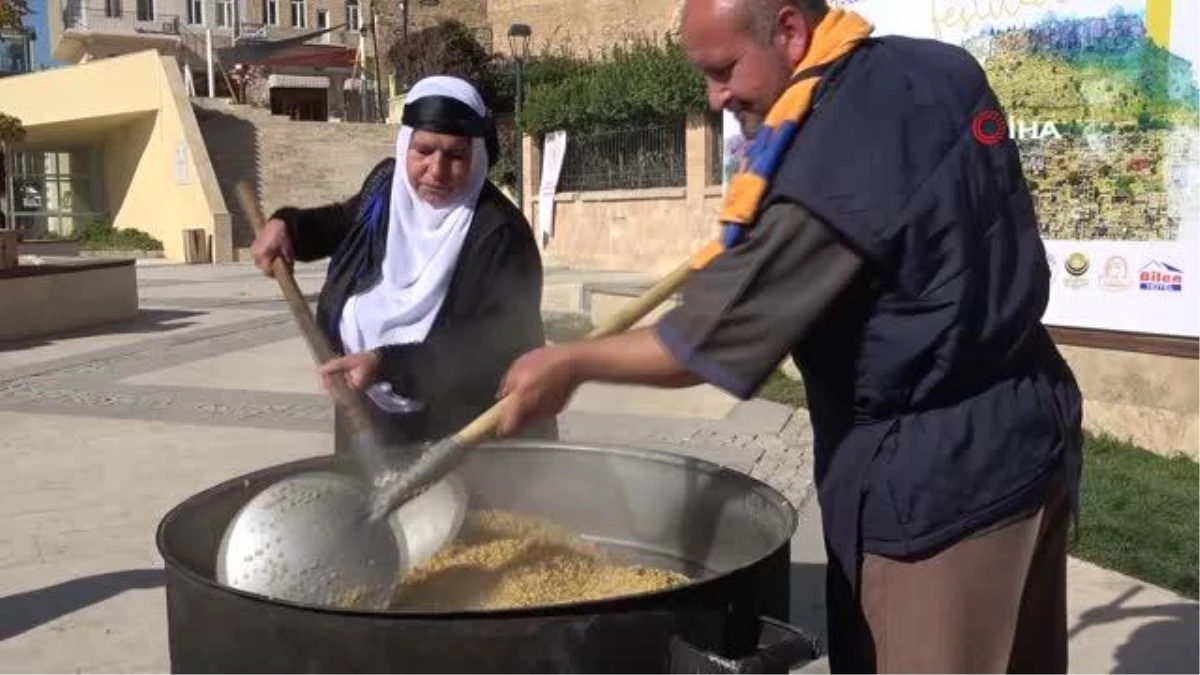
(113,141)
(310,83)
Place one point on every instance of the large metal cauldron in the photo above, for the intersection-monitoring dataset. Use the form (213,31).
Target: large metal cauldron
(726,530)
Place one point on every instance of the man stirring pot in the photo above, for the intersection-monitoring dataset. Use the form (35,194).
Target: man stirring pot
(896,256)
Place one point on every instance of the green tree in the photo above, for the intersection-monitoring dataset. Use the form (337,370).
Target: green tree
(449,48)
(644,82)
(12,11)
(11,129)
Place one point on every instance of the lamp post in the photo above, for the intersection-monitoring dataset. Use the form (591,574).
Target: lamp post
(380,112)
(518,45)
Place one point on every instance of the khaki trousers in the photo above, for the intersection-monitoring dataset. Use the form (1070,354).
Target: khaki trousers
(992,603)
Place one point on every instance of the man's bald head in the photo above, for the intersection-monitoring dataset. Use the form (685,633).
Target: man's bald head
(747,49)
(758,17)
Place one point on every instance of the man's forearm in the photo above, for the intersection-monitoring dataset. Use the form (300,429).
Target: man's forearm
(635,357)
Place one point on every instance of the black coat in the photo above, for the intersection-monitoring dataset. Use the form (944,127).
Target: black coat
(491,314)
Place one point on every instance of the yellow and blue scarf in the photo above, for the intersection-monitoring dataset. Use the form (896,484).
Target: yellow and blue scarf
(836,35)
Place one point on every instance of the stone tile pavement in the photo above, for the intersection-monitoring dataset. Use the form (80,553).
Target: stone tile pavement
(101,432)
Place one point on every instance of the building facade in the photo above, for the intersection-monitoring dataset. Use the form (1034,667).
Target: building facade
(310,84)
(16,51)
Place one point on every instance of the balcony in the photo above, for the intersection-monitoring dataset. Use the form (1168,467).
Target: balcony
(90,33)
(111,21)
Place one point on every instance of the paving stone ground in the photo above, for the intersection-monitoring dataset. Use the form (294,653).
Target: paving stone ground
(103,431)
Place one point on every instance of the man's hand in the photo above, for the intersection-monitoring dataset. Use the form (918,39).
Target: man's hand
(359,370)
(270,244)
(538,385)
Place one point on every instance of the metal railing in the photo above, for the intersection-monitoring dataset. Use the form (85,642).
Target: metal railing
(626,159)
(103,19)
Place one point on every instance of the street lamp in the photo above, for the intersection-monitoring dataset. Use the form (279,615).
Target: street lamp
(518,45)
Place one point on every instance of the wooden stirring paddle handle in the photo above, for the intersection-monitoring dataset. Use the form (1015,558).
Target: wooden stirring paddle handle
(484,426)
(343,395)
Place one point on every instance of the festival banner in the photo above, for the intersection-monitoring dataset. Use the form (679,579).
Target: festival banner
(1101,97)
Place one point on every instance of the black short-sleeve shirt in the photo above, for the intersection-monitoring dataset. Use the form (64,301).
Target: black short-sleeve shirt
(745,311)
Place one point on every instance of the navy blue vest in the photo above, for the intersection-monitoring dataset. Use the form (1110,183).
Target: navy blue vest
(939,403)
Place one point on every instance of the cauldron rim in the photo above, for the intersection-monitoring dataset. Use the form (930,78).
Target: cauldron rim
(604,605)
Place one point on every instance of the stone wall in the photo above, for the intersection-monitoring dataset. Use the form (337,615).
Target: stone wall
(654,230)
(1153,401)
(582,25)
(471,13)
(291,163)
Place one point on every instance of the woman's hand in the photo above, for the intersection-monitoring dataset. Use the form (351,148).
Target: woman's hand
(359,370)
(270,244)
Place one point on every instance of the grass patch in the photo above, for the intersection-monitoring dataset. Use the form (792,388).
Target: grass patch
(1139,514)
(565,326)
(101,236)
(782,389)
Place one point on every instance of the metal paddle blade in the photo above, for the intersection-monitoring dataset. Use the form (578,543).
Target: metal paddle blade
(306,539)
(393,488)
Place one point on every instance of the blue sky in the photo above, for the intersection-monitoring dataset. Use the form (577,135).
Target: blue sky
(37,20)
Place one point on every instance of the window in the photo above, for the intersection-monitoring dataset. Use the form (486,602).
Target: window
(195,12)
(353,17)
(271,12)
(112,8)
(299,14)
(323,23)
(225,13)
(57,192)
(145,10)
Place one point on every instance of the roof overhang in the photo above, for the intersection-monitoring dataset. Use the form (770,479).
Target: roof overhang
(290,52)
(76,42)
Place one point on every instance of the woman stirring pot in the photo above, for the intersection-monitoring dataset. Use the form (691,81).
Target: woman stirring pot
(435,280)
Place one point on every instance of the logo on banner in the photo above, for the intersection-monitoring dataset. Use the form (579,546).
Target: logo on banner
(1159,276)
(1077,266)
(1116,276)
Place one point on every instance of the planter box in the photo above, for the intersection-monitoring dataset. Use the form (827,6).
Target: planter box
(50,247)
(120,254)
(66,295)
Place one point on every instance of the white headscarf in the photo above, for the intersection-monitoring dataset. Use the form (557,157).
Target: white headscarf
(423,242)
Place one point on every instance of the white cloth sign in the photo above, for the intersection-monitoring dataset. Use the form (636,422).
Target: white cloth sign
(553,150)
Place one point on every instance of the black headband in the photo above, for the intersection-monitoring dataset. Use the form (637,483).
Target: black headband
(444,115)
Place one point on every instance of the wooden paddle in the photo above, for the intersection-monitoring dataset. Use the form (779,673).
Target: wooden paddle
(351,403)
